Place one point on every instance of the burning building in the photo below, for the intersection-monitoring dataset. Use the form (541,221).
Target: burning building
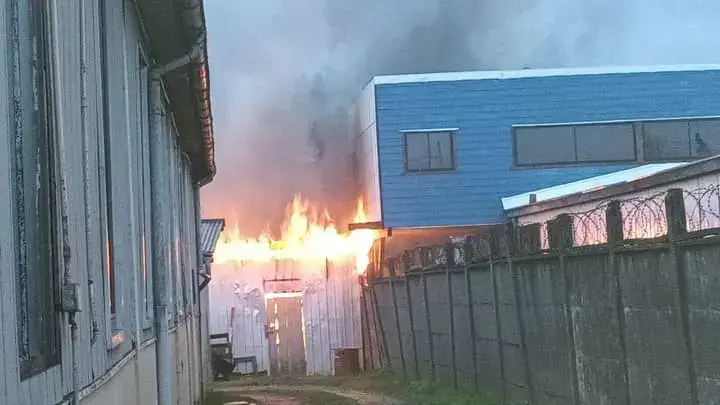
(292,303)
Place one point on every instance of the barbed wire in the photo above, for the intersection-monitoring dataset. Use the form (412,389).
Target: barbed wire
(643,217)
(702,208)
(590,227)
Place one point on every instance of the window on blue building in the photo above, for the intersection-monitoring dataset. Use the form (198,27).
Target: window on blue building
(681,139)
(544,145)
(573,144)
(605,142)
(614,142)
(429,151)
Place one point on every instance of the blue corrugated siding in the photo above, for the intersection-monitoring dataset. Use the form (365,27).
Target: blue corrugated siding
(485,111)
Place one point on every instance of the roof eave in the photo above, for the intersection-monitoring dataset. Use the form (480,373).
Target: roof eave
(182,32)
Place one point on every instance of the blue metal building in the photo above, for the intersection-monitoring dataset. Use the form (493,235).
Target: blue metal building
(443,149)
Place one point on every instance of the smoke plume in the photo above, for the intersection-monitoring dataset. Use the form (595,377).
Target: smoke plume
(285,71)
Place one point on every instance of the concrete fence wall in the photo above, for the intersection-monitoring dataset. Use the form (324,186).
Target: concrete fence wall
(629,322)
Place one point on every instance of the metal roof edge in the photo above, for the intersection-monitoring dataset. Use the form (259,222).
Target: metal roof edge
(679,173)
(534,73)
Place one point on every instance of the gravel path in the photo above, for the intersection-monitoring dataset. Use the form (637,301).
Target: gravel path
(362,398)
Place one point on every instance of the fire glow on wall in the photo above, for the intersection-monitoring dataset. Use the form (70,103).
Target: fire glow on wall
(291,303)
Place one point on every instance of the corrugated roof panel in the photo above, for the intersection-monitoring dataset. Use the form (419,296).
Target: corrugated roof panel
(587,185)
(210,230)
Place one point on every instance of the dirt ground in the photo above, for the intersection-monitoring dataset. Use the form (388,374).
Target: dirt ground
(264,399)
(372,389)
(298,394)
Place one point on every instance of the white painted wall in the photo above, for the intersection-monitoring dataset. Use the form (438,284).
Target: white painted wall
(368,153)
(643,212)
(120,371)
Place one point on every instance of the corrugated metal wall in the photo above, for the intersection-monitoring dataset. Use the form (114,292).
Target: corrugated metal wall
(331,308)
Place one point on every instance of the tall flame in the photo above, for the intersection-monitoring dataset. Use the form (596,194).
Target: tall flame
(305,234)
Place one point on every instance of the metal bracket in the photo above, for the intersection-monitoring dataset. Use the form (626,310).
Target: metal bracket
(70,300)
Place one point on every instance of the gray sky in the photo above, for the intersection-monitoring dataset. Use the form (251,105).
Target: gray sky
(278,66)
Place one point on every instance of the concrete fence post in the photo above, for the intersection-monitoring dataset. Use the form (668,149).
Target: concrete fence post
(562,238)
(383,336)
(677,226)
(508,232)
(467,259)
(365,345)
(411,320)
(398,329)
(491,257)
(428,325)
(450,258)
(615,235)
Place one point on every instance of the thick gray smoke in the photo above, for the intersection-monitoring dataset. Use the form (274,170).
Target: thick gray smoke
(284,71)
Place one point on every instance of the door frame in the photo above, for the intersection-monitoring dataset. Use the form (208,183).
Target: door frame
(272,295)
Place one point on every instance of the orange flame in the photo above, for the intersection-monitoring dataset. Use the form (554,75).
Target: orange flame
(305,235)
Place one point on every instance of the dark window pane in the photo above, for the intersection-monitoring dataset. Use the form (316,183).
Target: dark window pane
(605,142)
(441,151)
(416,151)
(705,138)
(544,145)
(667,140)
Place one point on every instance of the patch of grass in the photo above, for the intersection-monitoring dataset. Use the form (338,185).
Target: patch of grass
(215,398)
(423,393)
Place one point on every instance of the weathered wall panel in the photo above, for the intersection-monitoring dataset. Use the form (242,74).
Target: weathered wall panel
(368,153)
(109,375)
(703,282)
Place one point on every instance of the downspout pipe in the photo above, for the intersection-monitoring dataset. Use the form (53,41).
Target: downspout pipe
(192,56)
(70,285)
(161,243)
(160,217)
(198,291)
(196,54)
(95,329)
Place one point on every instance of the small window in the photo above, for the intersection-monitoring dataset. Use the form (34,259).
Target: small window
(429,151)
(668,140)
